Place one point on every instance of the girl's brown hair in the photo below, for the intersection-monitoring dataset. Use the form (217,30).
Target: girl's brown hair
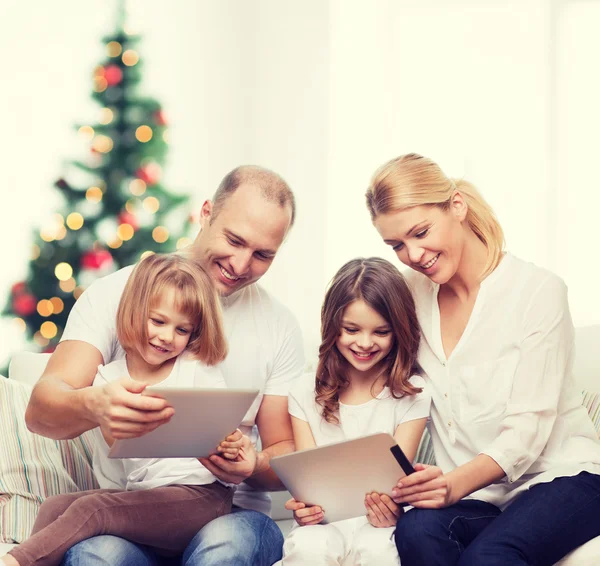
(194,294)
(381,286)
(413,180)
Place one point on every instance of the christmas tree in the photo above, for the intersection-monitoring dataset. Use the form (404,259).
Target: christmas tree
(116,208)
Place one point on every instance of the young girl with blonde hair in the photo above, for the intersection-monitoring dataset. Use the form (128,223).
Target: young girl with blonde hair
(366,382)
(518,461)
(169,324)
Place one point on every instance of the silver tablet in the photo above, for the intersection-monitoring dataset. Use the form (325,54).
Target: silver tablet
(203,417)
(338,476)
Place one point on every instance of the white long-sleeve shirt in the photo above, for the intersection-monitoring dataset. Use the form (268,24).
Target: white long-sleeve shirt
(507,388)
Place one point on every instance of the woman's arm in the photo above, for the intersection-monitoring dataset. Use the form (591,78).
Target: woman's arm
(530,412)
(408,436)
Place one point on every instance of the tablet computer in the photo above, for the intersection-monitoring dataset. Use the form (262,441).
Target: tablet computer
(338,476)
(203,417)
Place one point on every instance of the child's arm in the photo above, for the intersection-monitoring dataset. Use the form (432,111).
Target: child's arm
(382,511)
(303,439)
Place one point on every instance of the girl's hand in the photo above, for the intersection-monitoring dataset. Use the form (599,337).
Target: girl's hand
(230,447)
(427,488)
(233,471)
(304,515)
(381,510)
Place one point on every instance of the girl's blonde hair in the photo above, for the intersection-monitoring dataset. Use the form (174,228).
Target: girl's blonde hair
(381,286)
(413,180)
(194,295)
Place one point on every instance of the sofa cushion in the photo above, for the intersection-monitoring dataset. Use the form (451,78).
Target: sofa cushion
(591,401)
(33,467)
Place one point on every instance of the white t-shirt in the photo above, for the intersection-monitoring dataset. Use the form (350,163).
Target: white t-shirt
(507,389)
(265,347)
(382,414)
(146,473)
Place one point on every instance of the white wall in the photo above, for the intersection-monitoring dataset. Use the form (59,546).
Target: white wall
(501,91)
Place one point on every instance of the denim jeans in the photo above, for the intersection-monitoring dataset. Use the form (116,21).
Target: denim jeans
(242,538)
(540,527)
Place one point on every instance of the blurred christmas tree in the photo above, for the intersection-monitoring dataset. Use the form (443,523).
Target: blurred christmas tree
(116,208)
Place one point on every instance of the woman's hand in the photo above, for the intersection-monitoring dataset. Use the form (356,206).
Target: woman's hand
(427,488)
(304,515)
(381,510)
(231,446)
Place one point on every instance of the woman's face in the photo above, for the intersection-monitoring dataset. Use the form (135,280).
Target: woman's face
(426,238)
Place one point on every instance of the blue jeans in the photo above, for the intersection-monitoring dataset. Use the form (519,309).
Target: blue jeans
(242,538)
(540,527)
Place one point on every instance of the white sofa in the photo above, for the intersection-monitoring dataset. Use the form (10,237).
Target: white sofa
(27,368)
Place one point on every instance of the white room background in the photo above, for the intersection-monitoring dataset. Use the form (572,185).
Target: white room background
(503,92)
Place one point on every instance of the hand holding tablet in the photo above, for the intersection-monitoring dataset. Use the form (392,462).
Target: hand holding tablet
(202,419)
(337,477)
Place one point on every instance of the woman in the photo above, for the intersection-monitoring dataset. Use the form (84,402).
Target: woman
(517,479)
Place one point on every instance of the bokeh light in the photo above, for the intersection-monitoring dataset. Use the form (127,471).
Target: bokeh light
(106,116)
(125,231)
(102,144)
(94,194)
(151,204)
(57,304)
(68,285)
(45,307)
(137,187)
(74,221)
(143,133)
(63,271)
(160,234)
(114,49)
(48,329)
(130,57)
(183,243)
(87,132)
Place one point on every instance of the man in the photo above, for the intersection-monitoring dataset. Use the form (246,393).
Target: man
(242,229)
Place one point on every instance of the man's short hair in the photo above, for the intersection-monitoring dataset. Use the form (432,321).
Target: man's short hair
(272,186)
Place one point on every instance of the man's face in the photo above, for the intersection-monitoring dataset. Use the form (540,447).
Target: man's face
(239,245)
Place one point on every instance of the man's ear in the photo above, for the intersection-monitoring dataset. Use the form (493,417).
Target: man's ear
(458,206)
(206,213)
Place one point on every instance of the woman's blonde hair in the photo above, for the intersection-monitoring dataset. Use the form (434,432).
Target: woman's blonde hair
(413,180)
(194,294)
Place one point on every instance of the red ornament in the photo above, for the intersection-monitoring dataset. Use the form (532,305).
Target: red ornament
(128,218)
(149,173)
(24,305)
(160,118)
(96,259)
(113,75)
(18,288)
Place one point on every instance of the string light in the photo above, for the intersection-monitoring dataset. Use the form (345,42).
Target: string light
(146,254)
(131,205)
(40,340)
(130,57)
(63,271)
(57,305)
(61,233)
(137,187)
(183,243)
(87,132)
(48,329)
(75,221)
(94,194)
(45,307)
(125,231)
(160,234)
(114,244)
(143,134)
(68,285)
(113,49)
(151,204)
(100,84)
(106,116)
(102,144)
(19,324)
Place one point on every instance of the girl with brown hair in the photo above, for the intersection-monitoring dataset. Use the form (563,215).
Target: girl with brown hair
(170,326)
(366,381)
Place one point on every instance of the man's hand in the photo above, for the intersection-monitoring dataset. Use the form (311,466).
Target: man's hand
(427,488)
(381,510)
(121,412)
(305,515)
(233,471)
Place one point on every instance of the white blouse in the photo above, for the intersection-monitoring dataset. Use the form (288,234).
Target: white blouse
(507,389)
